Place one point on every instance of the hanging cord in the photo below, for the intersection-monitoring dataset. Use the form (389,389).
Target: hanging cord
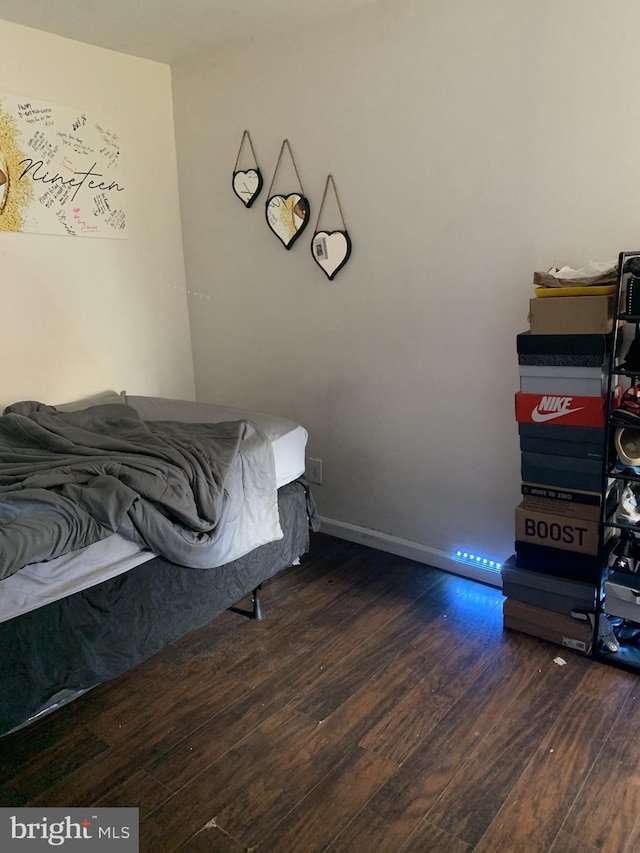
(285,142)
(324,195)
(245,135)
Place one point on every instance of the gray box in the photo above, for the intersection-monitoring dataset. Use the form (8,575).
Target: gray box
(622,596)
(582,442)
(568,472)
(560,595)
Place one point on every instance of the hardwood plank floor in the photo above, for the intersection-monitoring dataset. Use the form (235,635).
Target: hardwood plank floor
(380,706)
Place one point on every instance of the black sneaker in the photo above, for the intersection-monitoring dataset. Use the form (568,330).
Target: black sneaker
(632,358)
(628,412)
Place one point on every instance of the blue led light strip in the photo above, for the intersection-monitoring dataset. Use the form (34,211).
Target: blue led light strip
(474,559)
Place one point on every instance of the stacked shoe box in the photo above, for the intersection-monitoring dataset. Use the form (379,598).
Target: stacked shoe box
(552,580)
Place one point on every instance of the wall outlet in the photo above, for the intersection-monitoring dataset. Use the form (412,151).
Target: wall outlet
(314,471)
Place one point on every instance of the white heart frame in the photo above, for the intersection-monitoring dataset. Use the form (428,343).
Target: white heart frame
(331,251)
(247,185)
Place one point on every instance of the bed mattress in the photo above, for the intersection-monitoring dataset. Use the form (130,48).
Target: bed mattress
(41,583)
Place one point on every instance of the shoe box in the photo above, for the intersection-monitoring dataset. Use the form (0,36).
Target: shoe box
(571,315)
(562,472)
(563,380)
(573,632)
(622,596)
(558,559)
(568,503)
(562,409)
(559,562)
(563,350)
(548,591)
(579,535)
(556,440)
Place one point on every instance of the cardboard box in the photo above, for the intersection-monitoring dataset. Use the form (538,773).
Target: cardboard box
(572,315)
(622,596)
(563,380)
(570,632)
(564,564)
(552,593)
(570,496)
(560,409)
(580,535)
(561,472)
(568,503)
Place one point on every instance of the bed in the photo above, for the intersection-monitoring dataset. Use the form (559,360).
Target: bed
(106,593)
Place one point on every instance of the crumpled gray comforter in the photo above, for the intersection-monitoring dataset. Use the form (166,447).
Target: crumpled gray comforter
(198,494)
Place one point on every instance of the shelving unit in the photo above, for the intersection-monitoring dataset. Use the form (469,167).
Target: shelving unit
(614,531)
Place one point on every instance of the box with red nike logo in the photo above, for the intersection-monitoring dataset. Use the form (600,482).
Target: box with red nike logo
(560,410)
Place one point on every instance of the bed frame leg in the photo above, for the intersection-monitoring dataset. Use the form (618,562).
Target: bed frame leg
(257,606)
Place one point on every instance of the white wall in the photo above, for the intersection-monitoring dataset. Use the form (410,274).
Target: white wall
(471,143)
(81,315)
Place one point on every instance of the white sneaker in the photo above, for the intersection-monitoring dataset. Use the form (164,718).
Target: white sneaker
(628,507)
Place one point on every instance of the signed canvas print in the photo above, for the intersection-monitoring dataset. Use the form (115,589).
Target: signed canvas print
(60,171)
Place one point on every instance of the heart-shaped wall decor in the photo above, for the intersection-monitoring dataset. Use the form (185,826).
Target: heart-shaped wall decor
(287,216)
(4,182)
(331,250)
(247,185)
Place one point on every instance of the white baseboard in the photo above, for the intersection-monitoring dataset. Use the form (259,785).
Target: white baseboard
(411,550)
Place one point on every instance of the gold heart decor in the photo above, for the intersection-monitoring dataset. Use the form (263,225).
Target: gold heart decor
(287,216)
(4,182)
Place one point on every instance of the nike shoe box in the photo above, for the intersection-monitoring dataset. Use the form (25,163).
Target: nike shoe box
(553,593)
(582,442)
(572,632)
(563,380)
(586,568)
(568,503)
(562,472)
(560,409)
(571,315)
(564,350)
(622,596)
(579,535)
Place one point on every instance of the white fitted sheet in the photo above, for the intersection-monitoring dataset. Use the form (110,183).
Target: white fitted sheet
(288,439)
(41,583)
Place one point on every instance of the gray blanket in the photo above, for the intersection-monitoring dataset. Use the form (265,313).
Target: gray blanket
(197,494)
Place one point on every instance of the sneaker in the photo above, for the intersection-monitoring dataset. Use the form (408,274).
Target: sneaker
(627,443)
(624,556)
(628,511)
(607,637)
(629,470)
(632,359)
(628,410)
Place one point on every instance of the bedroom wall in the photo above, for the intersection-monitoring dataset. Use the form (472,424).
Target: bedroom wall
(81,315)
(471,145)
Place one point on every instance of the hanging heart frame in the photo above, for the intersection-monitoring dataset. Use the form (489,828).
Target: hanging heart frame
(287,215)
(331,249)
(247,183)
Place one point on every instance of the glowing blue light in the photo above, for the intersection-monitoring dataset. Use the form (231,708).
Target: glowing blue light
(470,557)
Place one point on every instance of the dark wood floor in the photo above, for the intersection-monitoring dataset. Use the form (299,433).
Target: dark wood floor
(380,706)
